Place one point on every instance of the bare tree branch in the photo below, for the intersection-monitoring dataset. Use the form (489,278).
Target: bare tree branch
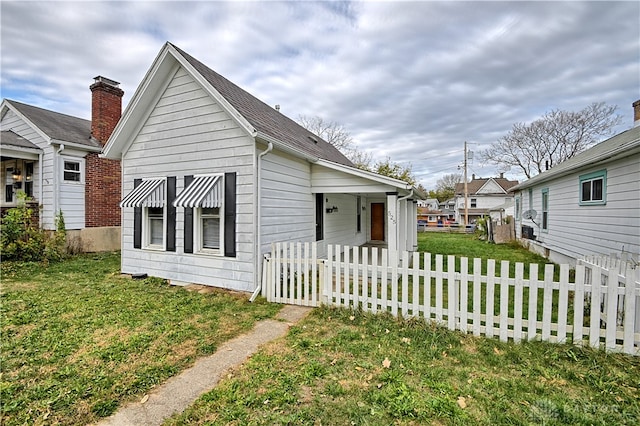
(555,137)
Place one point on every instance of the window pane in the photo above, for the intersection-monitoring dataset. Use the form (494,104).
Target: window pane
(155,230)
(72,176)
(211,232)
(597,190)
(156,225)
(71,165)
(586,191)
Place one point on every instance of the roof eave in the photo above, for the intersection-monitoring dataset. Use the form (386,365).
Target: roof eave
(278,144)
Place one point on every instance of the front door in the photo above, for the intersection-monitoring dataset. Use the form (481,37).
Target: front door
(377,221)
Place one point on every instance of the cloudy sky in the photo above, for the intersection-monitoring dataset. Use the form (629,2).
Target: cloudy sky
(409,80)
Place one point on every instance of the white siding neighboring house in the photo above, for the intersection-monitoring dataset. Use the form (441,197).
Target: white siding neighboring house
(53,159)
(589,204)
(483,196)
(212,176)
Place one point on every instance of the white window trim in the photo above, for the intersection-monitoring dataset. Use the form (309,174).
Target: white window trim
(146,228)
(81,161)
(197,234)
(197,225)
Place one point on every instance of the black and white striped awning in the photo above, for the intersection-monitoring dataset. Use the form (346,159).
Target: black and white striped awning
(149,193)
(204,191)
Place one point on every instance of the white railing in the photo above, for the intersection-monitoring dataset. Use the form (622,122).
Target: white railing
(487,298)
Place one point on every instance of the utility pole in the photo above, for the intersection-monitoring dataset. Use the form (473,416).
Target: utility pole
(466,212)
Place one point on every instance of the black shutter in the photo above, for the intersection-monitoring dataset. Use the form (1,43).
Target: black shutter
(319,217)
(171,214)
(137,221)
(188,220)
(230,214)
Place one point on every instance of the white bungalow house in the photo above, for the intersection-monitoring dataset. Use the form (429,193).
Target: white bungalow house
(589,204)
(483,195)
(211,176)
(53,159)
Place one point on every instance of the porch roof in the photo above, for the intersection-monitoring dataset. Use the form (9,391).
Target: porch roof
(13,140)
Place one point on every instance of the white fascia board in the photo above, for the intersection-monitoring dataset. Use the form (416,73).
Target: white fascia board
(478,192)
(139,107)
(385,180)
(279,145)
(75,145)
(22,153)
(35,128)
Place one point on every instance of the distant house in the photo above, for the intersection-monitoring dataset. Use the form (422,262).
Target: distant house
(483,195)
(589,204)
(212,176)
(53,159)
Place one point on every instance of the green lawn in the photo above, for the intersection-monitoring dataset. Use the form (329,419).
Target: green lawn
(79,339)
(339,367)
(343,367)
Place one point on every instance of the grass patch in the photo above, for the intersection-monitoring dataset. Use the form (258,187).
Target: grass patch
(79,339)
(344,367)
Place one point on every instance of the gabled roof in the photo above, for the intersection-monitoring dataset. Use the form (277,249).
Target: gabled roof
(476,185)
(618,146)
(56,126)
(256,117)
(266,119)
(11,139)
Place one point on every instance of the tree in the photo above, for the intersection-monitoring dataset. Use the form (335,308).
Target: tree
(394,170)
(446,187)
(555,137)
(339,137)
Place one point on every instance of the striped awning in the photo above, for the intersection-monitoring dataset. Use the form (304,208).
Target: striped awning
(204,191)
(149,193)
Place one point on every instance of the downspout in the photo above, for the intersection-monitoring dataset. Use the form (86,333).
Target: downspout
(41,184)
(407,196)
(258,216)
(56,177)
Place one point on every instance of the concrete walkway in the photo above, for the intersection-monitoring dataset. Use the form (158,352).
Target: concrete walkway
(182,390)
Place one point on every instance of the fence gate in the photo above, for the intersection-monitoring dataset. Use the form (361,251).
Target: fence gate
(293,274)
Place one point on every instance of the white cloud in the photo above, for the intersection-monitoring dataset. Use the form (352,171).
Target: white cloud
(410,80)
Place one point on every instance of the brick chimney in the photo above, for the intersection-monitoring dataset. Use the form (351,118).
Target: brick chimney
(636,113)
(106,108)
(102,180)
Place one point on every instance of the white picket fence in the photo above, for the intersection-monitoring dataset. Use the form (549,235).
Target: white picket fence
(484,298)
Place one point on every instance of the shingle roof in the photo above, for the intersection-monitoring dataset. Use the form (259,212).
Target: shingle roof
(266,119)
(620,144)
(58,126)
(476,184)
(9,138)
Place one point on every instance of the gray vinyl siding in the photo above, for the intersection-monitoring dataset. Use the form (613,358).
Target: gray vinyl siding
(576,230)
(188,133)
(288,206)
(44,195)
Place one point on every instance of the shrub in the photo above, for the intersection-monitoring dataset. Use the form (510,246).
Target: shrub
(21,239)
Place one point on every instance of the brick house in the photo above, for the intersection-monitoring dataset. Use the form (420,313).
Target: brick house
(54,159)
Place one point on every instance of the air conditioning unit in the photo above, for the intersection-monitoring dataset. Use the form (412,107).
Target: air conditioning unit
(527,232)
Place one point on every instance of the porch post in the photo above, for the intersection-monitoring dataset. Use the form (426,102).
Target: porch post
(413,225)
(403,236)
(392,221)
